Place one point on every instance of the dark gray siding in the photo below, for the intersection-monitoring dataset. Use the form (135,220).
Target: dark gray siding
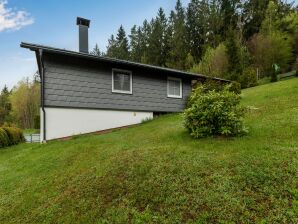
(79,83)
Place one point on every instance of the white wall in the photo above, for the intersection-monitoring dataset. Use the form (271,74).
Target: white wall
(64,122)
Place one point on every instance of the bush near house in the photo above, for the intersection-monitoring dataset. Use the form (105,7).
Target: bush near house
(214,113)
(10,136)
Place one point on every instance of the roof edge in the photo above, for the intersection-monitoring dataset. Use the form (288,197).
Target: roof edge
(36,47)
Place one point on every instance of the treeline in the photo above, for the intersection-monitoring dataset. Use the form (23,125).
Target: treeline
(232,39)
(20,105)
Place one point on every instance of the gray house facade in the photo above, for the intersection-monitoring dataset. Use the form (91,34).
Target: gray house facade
(83,93)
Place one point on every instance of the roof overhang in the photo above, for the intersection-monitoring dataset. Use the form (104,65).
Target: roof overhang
(37,48)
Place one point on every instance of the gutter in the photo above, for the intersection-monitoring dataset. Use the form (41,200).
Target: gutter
(41,68)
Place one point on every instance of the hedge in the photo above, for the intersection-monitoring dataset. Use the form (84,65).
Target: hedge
(10,136)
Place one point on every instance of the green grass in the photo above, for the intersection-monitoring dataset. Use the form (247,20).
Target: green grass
(156,173)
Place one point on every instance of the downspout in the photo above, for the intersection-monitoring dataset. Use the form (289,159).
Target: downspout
(42,95)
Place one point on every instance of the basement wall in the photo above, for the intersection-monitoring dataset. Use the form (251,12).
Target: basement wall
(65,122)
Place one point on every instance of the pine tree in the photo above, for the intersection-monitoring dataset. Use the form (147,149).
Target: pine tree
(122,45)
(157,41)
(178,52)
(112,47)
(96,51)
(146,32)
(135,44)
(119,47)
(234,54)
(253,16)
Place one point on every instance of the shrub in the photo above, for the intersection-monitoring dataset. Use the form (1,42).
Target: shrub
(214,113)
(15,135)
(248,78)
(4,140)
(235,87)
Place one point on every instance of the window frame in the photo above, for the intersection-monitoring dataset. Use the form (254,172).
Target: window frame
(168,86)
(121,91)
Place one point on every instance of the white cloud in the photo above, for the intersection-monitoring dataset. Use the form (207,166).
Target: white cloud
(11,19)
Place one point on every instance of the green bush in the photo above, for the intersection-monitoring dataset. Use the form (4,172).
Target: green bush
(248,78)
(235,87)
(214,113)
(15,135)
(4,140)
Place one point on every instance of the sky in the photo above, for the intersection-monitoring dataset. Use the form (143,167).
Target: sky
(53,23)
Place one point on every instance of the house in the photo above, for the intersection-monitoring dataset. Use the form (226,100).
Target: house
(83,93)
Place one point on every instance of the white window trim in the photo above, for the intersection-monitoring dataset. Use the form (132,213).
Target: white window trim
(121,91)
(174,96)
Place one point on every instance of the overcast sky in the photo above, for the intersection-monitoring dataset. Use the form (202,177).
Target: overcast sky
(53,23)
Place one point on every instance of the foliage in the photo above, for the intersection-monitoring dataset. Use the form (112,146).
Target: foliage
(249,78)
(96,51)
(5,106)
(4,140)
(225,38)
(215,62)
(10,136)
(235,87)
(25,101)
(119,47)
(270,49)
(157,173)
(177,38)
(158,45)
(214,113)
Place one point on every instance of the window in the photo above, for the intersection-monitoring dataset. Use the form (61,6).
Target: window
(174,88)
(121,81)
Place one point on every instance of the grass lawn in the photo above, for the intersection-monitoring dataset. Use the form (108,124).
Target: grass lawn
(156,173)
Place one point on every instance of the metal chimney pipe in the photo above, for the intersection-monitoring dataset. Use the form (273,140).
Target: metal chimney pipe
(83,34)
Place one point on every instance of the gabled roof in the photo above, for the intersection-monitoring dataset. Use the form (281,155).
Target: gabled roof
(37,47)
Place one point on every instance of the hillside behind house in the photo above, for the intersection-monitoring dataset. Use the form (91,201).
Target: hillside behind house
(156,173)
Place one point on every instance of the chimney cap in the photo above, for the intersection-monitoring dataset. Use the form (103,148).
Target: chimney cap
(82,21)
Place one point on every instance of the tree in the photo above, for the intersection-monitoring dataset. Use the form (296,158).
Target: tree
(119,47)
(112,47)
(5,105)
(234,54)
(122,44)
(253,16)
(229,15)
(195,27)
(178,52)
(25,101)
(271,49)
(214,63)
(146,32)
(272,45)
(158,40)
(96,51)
(135,44)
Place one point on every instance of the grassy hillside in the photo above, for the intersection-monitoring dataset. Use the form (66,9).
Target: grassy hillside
(156,173)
